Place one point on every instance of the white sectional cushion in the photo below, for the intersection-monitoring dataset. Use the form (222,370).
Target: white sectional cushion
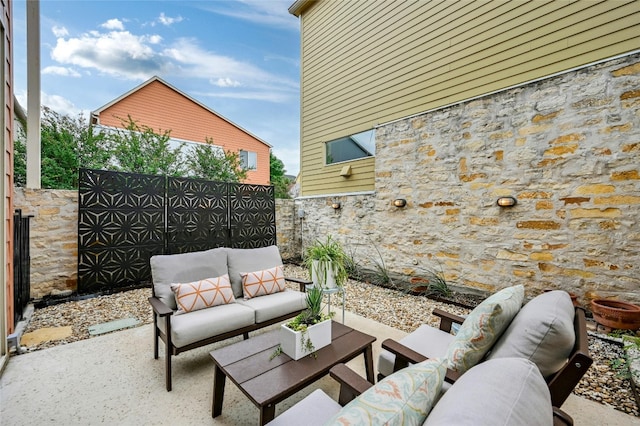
(255,259)
(504,391)
(314,410)
(202,324)
(541,332)
(275,305)
(183,268)
(426,340)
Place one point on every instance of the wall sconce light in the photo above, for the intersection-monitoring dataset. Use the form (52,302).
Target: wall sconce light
(335,205)
(399,202)
(507,201)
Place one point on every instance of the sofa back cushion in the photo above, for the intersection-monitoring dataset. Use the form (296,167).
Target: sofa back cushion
(541,332)
(247,260)
(403,398)
(504,391)
(183,268)
(482,328)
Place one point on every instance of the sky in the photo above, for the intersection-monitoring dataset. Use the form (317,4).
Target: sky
(240,58)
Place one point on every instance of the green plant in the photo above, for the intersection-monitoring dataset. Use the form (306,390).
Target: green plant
(351,265)
(322,257)
(437,284)
(380,272)
(310,316)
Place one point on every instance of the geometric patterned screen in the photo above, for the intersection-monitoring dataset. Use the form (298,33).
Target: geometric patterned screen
(126,218)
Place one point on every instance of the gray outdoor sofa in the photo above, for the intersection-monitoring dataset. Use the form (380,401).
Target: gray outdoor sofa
(181,331)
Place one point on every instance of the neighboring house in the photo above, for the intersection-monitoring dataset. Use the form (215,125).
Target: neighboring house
(451,105)
(160,106)
(6,187)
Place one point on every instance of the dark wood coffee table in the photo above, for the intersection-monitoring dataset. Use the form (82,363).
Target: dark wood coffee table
(267,382)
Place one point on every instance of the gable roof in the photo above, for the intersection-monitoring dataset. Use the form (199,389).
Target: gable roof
(95,114)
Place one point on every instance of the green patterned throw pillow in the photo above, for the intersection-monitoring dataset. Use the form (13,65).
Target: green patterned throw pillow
(482,328)
(403,398)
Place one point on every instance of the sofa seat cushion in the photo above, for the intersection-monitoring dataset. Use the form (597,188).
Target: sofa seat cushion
(198,325)
(426,340)
(483,327)
(403,398)
(275,305)
(314,410)
(184,268)
(504,391)
(247,260)
(541,332)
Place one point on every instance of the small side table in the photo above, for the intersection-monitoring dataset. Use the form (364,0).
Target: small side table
(329,292)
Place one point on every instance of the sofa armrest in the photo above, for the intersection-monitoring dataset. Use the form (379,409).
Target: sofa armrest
(351,383)
(447,319)
(159,308)
(301,282)
(405,356)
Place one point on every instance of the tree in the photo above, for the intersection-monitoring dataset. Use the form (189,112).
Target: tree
(206,161)
(279,181)
(139,149)
(66,144)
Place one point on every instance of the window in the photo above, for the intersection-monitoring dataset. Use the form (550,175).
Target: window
(352,147)
(249,160)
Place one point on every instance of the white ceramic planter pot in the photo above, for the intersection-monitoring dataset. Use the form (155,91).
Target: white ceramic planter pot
(292,341)
(322,274)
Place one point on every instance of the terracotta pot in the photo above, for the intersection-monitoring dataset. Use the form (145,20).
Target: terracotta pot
(616,314)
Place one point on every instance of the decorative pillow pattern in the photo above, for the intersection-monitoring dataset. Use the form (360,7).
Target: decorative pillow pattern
(403,398)
(203,294)
(483,327)
(264,282)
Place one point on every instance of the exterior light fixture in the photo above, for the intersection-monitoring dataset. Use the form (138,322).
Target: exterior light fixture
(399,202)
(335,205)
(507,201)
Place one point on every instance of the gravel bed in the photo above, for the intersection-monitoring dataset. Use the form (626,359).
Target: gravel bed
(405,312)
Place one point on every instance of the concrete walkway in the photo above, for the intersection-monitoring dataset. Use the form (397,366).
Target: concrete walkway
(113,379)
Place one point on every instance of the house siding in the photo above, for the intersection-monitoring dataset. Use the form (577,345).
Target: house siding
(6,325)
(160,107)
(368,63)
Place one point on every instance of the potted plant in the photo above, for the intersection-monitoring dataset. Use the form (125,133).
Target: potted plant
(309,331)
(326,262)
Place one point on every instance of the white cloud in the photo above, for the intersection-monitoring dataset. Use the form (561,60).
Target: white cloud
(226,82)
(274,12)
(113,24)
(59,31)
(66,72)
(117,53)
(166,20)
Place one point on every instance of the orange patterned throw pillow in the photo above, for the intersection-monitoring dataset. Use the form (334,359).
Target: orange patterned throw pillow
(264,282)
(203,294)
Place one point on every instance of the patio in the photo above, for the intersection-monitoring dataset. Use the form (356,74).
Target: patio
(114,379)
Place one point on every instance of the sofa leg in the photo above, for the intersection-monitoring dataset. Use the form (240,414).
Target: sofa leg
(245,336)
(168,368)
(155,341)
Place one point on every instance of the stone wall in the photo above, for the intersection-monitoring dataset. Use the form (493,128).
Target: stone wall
(54,237)
(567,148)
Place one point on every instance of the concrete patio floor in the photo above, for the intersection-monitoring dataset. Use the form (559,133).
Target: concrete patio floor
(113,379)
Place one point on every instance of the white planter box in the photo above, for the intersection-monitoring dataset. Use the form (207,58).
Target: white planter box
(291,341)
(322,274)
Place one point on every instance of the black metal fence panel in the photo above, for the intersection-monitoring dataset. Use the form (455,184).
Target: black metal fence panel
(121,225)
(197,212)
(126,218)
(252,216)
(21,264)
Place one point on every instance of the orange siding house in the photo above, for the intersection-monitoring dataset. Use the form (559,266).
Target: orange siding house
(160,106)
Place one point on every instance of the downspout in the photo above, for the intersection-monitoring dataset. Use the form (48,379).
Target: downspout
(33,95)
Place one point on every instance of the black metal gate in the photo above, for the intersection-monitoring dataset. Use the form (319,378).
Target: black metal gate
(21,264)
(126,218)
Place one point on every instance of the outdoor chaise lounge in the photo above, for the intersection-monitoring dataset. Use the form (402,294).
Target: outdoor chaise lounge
(208,296)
